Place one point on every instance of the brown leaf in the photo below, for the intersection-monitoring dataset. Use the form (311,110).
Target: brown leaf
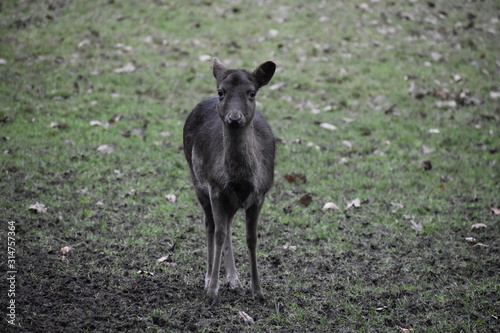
(427,165)
(305,200)
(295,177)
(405,329)
(116,118)
(441,94)
(495,210)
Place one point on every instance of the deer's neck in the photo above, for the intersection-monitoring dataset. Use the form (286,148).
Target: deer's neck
(239,152)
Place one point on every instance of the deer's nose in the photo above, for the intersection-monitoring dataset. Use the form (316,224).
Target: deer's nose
(234,118)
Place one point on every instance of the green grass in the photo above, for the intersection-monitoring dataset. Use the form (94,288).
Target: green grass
(339,64)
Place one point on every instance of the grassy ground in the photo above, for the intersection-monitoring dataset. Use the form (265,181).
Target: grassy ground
(93,99)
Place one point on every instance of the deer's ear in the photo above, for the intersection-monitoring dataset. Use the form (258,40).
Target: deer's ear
(264,73)
(218,68)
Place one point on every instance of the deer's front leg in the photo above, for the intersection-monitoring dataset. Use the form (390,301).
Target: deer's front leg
(210,230)
(231,273)
(223,214)
(252,218)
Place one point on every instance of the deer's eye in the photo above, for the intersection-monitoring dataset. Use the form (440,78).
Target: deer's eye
(252,94)
(220,92)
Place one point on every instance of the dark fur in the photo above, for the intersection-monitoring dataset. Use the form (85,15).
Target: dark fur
(230,150)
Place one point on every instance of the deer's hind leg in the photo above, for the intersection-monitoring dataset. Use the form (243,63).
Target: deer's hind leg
(252,219)
(209,230)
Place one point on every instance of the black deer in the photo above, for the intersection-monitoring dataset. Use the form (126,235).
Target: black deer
(230,151)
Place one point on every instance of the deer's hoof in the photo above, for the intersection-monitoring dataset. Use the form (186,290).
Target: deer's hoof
(259,296)
(212,299)
(212,295)
(235,284)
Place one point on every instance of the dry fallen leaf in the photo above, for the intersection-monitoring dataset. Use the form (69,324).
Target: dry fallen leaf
(83,43)
(355,203)
(277,86)
(38,208)
(478,226)
(205,57)
(289,247)
(127,68)
(313,145)
(427,165)
(171,197)
(416,226)
(328,126)
(495,210)
(105,149)
(330,206)
(427,150)
(347,143)
(65,250)
(98,123)
(396,206)
(162,259)
(295,177)
(446,104)
(471,240)
(116,118)
(273,33)
(130,193)
(246,317)
(305,200)
(165,134)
